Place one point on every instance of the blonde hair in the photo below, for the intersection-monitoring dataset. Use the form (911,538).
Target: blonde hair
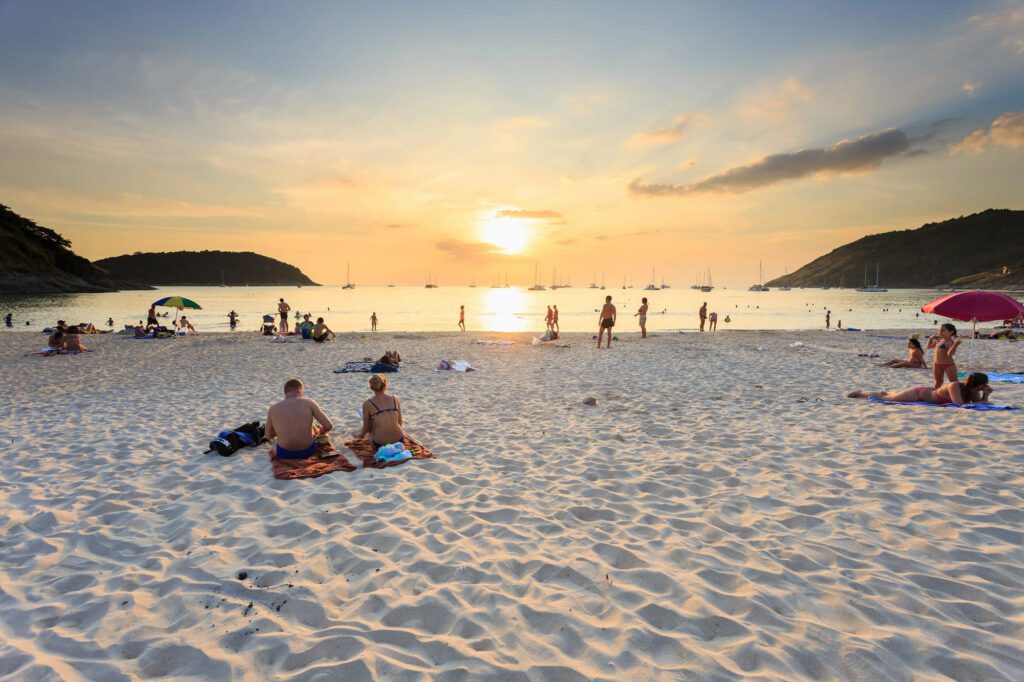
(378,383)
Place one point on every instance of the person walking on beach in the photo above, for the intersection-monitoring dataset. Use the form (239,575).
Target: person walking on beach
(703,312)
(828,319)
(282,310)
(291,422)
(9,319)
(642,314)
(554,320)
(373,321)
(606,321)
(713,322)
(548,319)
(462,318)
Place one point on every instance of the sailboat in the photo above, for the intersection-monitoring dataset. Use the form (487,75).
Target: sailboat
(431,284)
(696,283)
(652,286)
(873,288)
(760,285)
(707,286)
(593,284)
(348,277)
(537,286)
(506,279)
(602,281)
(663,285)
(784,288)
(392,284)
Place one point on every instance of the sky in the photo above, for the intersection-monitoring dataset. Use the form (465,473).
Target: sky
(466,140)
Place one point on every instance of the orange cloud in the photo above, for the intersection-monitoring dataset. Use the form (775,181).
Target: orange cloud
(668,135)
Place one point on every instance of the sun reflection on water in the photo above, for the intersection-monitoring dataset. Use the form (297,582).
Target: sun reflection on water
(505,310)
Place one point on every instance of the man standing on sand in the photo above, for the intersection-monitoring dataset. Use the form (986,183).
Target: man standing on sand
(606,321)
(373,322)
(642,314)
(282,310)
(462,318)
(828,319)
(151,320)
(554,320)
(291,422)
(703,315)
(547,319)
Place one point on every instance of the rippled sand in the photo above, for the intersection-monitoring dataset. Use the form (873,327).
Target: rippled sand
(721,513)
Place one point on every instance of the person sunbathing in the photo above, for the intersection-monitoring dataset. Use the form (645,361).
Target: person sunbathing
(72,342)
(291,422)
(382,415)
(915,358)
(974,389)
(391,357)
(184,325)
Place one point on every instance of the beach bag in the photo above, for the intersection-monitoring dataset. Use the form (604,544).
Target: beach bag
(228,443)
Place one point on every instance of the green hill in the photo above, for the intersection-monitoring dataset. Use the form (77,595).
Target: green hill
(983,250)
(37,260)
(205,268)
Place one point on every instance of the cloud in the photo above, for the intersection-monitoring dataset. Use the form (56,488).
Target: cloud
(1006,131)
(467,250)
(530,215)
(775,105)
(863,154)
(566,242)
(1005,22)
(970,89)
(669,135)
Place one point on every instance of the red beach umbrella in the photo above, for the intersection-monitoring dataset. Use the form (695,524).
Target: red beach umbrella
(976,306)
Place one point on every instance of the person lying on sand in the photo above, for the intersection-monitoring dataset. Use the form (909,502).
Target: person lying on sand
(291,423)
(392,358)
(915,359)
(382,415)
(974,389)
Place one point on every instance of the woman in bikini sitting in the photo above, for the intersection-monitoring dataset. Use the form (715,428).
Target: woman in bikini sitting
(382,415)
(974,389)
(945,345)
(914,360)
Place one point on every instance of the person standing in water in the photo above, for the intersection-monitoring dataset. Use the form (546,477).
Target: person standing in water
(373,321)
(282,310)
(151,320)
(828,319)
(703,312)
(233,319)
(554,320)
(642,314)
(606,321)
(462,318)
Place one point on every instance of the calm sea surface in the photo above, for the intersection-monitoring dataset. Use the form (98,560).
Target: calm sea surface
(487,309)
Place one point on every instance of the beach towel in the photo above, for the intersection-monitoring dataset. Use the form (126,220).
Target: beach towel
(1000,377)
(983,407)
(367,367)
(364,450)
(326,460)
(456,366)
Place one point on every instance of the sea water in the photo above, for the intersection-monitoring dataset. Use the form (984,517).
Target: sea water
(488,309)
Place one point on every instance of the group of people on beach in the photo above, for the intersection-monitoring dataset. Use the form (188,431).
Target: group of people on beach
(947,387)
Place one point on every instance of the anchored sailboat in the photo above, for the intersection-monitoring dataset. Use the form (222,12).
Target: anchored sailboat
(348,277)
(760,285)
(872,288)
(537,286)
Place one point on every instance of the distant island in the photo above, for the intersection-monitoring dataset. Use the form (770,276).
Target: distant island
(984,250)
(36,260)
(205,268)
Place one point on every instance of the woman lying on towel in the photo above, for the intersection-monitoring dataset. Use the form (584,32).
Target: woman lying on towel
(915,358)
(973,389)
(382,415)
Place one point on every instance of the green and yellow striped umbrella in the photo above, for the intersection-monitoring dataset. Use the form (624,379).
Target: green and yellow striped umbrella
(179,302)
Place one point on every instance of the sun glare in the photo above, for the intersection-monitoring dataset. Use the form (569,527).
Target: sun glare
(509,234)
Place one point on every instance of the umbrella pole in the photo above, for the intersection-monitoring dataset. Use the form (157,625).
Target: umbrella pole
(970,348)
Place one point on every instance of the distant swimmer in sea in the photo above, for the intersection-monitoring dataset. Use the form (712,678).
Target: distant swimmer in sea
(462,318)
(233,319)
(554,319)
(642,314)
(915,357)
(606,321)
(110,322)
(945,345)
(282,310)
(291,422)
(713,322)
(321,331)
(703,312)
(382,415)
(974,389)
(373,322)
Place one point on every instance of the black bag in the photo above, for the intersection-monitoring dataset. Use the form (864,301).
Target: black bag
(228,443)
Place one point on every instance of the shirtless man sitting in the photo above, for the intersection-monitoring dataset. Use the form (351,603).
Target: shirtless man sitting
(606,322)
(291,422)
(321,331)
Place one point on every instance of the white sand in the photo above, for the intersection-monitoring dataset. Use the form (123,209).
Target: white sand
(701,522)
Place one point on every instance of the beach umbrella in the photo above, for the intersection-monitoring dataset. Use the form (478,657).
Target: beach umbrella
(179,302)
(975,306)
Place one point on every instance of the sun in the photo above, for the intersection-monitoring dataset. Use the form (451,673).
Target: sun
(511,235)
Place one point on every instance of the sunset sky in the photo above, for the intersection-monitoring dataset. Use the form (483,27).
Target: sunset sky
(463,139)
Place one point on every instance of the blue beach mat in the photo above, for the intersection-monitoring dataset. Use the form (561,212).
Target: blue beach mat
(1000,377)
(365,367)
(982,407)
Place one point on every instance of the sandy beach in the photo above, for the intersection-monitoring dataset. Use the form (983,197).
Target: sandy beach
(723,512)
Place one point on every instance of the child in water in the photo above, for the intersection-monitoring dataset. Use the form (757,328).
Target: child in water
(945,345)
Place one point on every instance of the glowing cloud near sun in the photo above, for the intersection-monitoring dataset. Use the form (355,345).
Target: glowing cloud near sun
(511,235)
